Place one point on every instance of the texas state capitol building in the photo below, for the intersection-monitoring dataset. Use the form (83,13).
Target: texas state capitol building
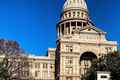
(78,42)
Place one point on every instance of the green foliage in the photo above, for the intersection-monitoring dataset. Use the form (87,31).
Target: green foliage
(109,62)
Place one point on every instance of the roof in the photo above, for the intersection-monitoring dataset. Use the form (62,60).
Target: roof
(92,26)
(75,4)
(38,57)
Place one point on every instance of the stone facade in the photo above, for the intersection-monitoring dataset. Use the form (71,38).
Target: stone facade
(41,68)
(34,67)
(79,41)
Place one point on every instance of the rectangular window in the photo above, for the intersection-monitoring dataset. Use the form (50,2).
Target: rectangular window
(67,24)
(62,28)
(69,70)
(69,48)
(68,78)
(69,60)
(73,23)
(67,28)
(30,65)
(45,75)
(103,76)
(45,66)
(25,73)
(36,74)
(37,65)
(84,24)
(79,24)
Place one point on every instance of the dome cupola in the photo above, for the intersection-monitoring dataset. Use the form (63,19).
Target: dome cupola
(74,17)
(74,9)
(75,4)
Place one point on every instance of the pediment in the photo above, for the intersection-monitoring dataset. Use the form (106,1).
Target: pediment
(92,30)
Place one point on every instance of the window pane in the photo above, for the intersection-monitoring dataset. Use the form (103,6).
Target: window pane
(62,26)
(45,66)
(67,24)
(79,24)
(73,23)
(84,24)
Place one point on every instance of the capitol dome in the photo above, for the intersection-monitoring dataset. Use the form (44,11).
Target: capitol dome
(75,4)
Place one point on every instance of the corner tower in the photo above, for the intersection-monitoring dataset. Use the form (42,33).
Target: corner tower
(79,41)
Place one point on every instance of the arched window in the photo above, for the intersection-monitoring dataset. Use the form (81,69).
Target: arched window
(73,14)
(69,14)
(82,14)
(78,14)
(65,15)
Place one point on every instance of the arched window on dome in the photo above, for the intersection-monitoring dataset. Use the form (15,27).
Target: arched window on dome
(65,15)
(86,16)
(73,14)
(69,14)
(78,14)
(82,14)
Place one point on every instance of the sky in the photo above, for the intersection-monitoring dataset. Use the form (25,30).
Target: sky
(32,23)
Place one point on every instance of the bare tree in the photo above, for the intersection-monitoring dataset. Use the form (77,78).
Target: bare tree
(13,62)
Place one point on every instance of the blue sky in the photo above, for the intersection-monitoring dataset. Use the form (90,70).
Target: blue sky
(32,23)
